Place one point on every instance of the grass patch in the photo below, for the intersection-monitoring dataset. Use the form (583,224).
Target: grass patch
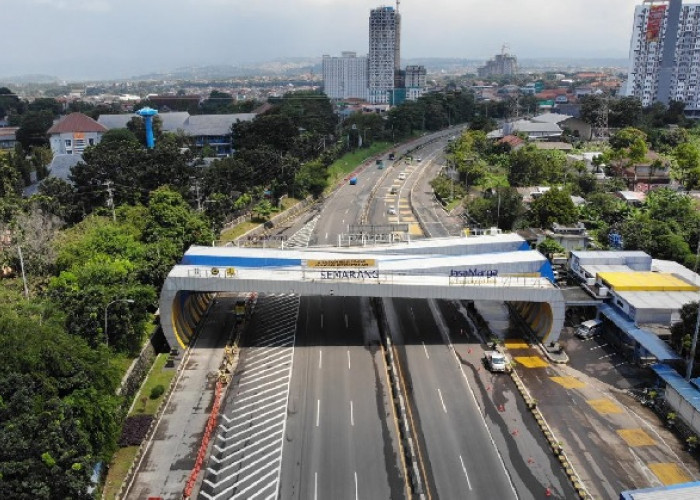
(159,375)
(350,161)
(288,203)
(118,467)
(453,204)
(238,230)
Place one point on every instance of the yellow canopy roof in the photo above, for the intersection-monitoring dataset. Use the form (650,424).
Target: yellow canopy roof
(646,281)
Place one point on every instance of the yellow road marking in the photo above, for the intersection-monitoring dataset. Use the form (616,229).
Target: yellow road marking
(414,229)
(531,361)
(669,473)
(604,406)
(516,344)
(636,437)
(569,382)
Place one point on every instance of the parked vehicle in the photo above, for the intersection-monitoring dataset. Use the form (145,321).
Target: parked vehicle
(392,156)
(353,181)
(588,329)
(495,361)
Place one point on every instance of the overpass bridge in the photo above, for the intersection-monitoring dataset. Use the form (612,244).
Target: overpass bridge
(499,268)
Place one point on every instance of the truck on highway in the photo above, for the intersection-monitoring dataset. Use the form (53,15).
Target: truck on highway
(495,361)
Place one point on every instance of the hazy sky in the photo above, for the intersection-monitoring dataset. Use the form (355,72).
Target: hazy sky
(121,38)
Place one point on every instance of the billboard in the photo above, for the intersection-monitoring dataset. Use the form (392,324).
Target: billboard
(654,21)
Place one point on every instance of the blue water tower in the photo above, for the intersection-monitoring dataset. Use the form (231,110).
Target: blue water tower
(147,114)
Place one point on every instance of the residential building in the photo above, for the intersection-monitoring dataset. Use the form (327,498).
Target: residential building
(501,64)
(384,53)
(663,61)
(415,82)
(8,137)
(345,77)
(73,133)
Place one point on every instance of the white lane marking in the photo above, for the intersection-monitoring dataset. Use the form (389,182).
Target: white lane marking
(426,350)
(320,359)
(442,400)
(318,411)
(315,485)
(352,415)
(348,359)
(608,356)
(346,321)
(326,235)
(464,469)
(620,364)
(357,495)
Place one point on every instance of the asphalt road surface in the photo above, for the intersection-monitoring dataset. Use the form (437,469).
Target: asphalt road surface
(460,457)
(340,438)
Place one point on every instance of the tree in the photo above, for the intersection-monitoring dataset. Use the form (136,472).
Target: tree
(33,128)
(682,331)
(686,168)
(530,166)
(35,232)
(501,207)
(119,135)
(553,206)
(137,126)
(625,112)
(549,247)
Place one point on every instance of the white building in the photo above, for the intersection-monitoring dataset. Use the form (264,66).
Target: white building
(664,64)
(384,53)
(73,133)
(346,76)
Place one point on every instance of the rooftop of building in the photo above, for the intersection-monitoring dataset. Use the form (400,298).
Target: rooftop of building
(645,281)
(76,122)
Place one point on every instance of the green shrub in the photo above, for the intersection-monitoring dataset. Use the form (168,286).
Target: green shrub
(157,391)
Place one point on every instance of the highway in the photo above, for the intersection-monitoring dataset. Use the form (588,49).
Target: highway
(459,455)
(340,437)
(339,441)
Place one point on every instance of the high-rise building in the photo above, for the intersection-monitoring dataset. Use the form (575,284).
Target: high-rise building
(345,77)
(501,64)
(664,63)
(384,53)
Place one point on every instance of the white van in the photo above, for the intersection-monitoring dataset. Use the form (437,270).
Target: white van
(402,176)
(588,329)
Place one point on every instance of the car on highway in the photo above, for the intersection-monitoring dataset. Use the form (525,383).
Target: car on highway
(402,176)
(391,211)
(495,361)
(588,329)
(393,190)
(418,159)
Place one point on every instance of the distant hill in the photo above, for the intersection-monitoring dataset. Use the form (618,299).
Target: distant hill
(291,67)
(25,79)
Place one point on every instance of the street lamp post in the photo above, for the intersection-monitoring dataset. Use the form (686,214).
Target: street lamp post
(128,301)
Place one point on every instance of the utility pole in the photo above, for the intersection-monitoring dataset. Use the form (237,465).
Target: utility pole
(24,277)
(196,190)
(110,199)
